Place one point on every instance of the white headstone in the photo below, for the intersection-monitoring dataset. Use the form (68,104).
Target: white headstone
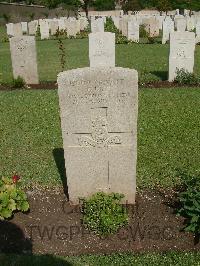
(10,29)
(32,27)
(182,47)
(198,31)
(24,58)
(44,29)
(99,109)
(102,49)
(133,31)
(181,24)
(54,26)
(17,29)
(168,28)
(97,25)
(24,27)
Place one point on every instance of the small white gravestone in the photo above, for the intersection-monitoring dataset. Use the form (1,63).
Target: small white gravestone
(83,23)
(182,47)
(181,24)
(198,32)
(102,49)
(133,31)
(44,29)
(97,25)
(190,23)
(72,28)
(152,27)
(53,25)
(32,27)
(24,27)
(24,58)
(168,28)
(17,29)
(62,24)
(99,109)
(116,21)
(10,29)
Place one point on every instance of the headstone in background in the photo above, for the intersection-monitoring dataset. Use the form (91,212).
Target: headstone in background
(24,27)
(182,47)
(10,29)
(181,24)
(102,49)
(133,31)
(32,27)
(97,25)
(24,58)
(44,29)
(53,26)
(99,109)
(17,29)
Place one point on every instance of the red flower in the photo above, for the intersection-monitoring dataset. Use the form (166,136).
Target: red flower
(15,178)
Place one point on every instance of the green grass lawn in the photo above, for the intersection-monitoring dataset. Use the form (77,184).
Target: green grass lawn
(168,259)
(168,135)
(151,60)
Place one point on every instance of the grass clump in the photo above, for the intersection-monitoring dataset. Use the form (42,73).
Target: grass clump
(18,83)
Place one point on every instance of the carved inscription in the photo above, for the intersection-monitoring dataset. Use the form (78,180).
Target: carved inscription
(99,136)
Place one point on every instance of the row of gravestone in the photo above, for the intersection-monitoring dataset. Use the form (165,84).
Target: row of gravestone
(48,27)
(129,25)
(101,53)
(99,108)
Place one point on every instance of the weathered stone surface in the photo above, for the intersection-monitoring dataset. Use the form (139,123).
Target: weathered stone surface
(198,32)
(133,31)
(168,28)
(73,28)
(10,29)
(17,29)
(152,27)
(182,47)
(99,108)
(102,49)
(24,59)
(54,26)
(44,29)
(32,27)
(181,24)
(24,27)
(97,25)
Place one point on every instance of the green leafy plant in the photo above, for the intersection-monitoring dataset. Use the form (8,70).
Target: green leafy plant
(151,40)
(12,198)
(6,17)
(103,213)
(110,27)
(185,77)
(61,48)
(143,32)
(18,83)
(190,202)
(31,16)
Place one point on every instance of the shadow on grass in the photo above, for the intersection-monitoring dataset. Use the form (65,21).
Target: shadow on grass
(33,260)
(58,155)
(163,75)
(13,240)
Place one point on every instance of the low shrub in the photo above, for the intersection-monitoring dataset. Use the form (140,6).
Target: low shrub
(18,83)
(143,32)
(103,213)
(185,77)
(189,200)
(12,198)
